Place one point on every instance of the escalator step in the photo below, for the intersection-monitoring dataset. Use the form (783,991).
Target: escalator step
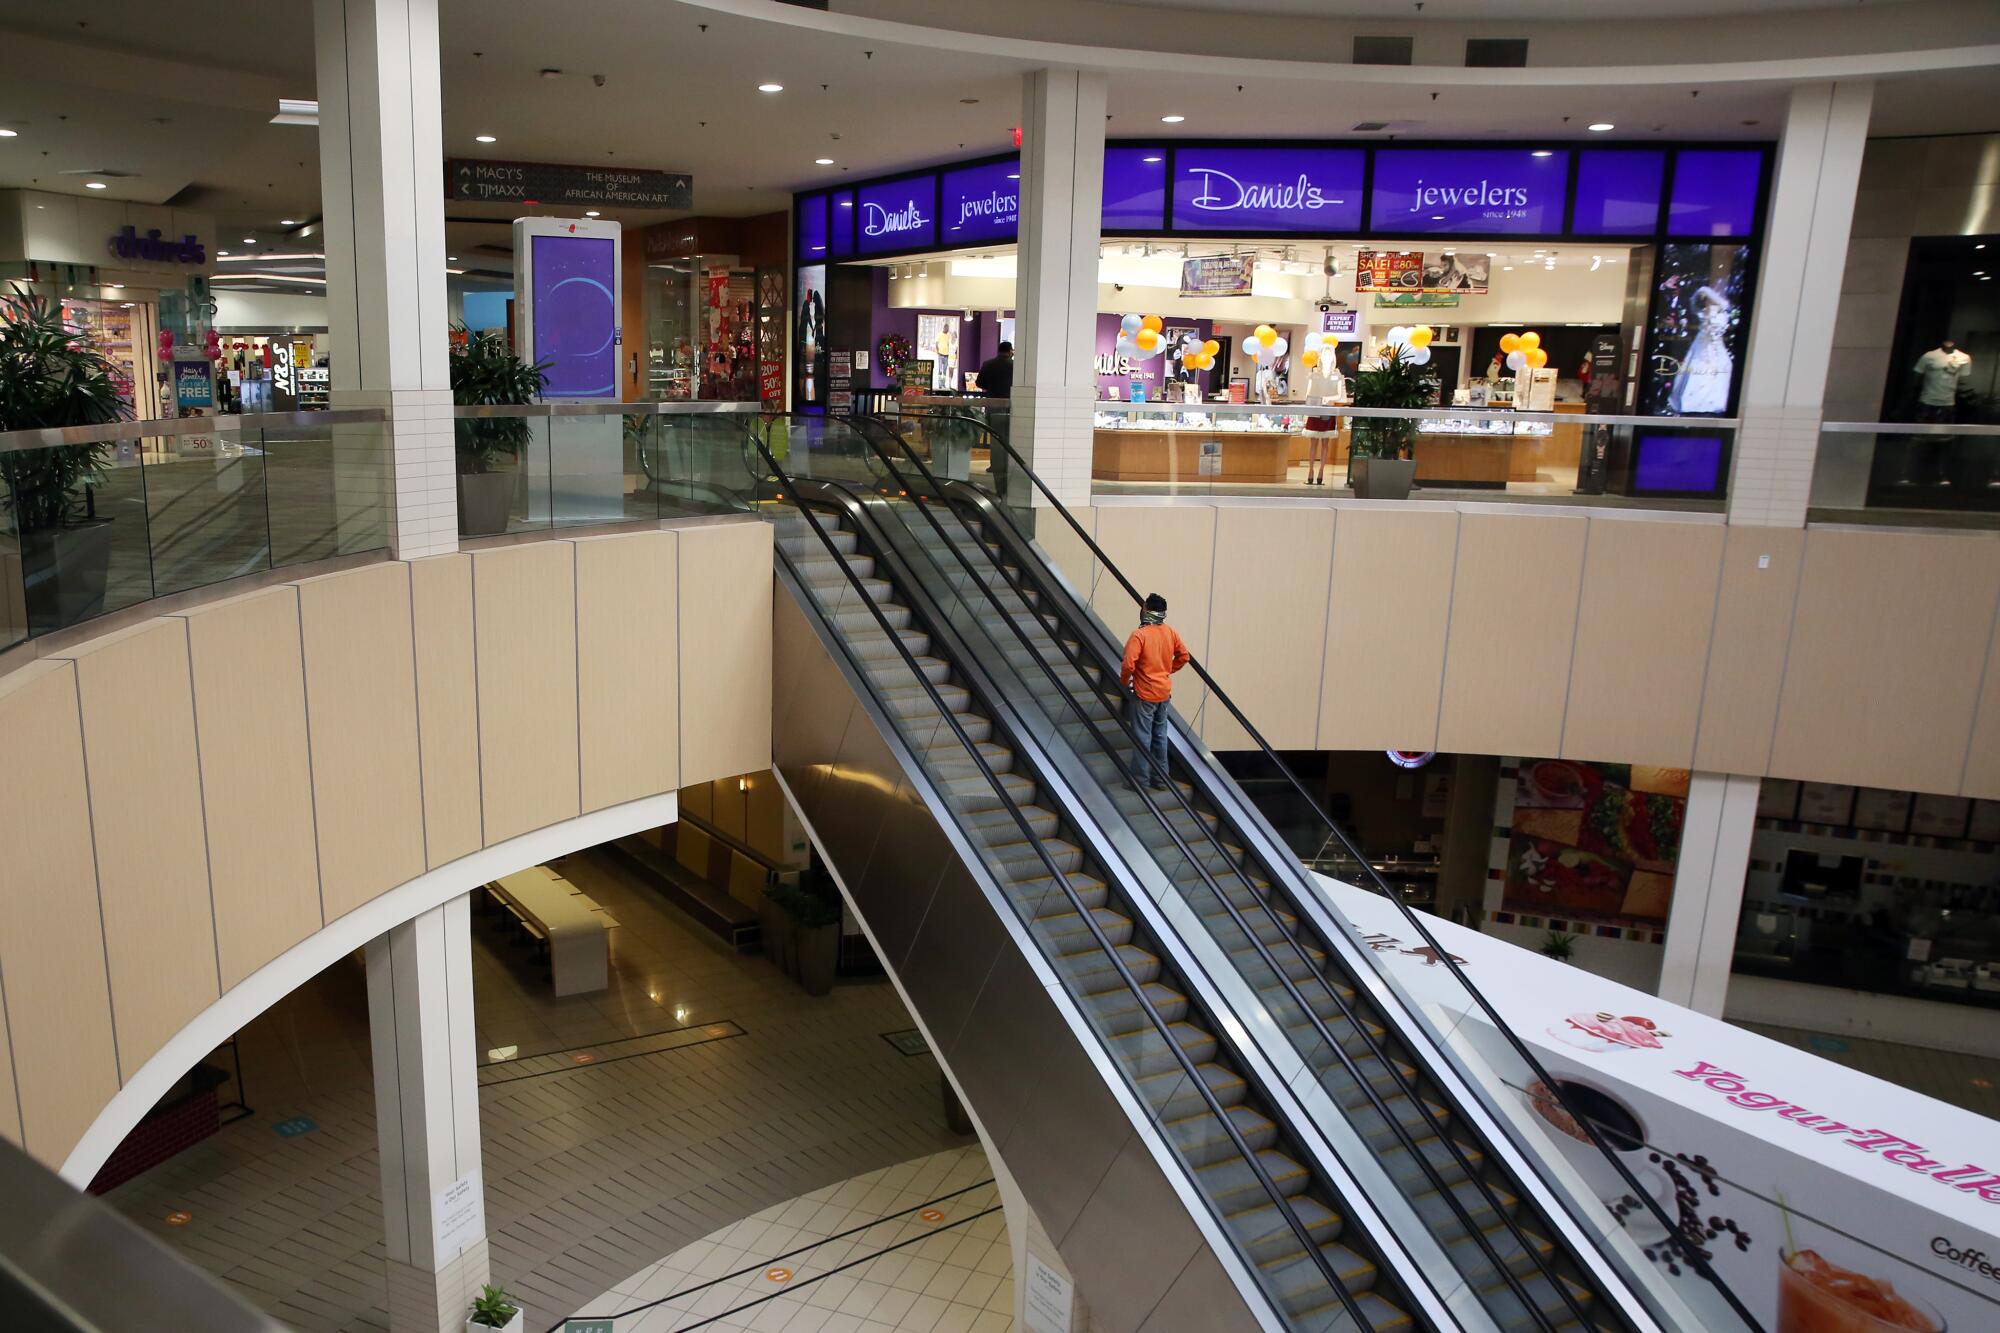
(1119,1011)
(1298,1283)
(1065,932)
(1264,1233)
(1171,1097)
(1201,1139)
(1382,1316)
(1146,1053)
(1231,1184)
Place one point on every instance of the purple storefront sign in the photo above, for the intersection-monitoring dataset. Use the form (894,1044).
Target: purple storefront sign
(896,215)
(811,227)
(1715,192)
(1478,191)
(1135,188)
(1618,191)
(981,203)
(1267,189)
(576,315)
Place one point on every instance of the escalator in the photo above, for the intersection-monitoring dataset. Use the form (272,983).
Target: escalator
(1340,1171)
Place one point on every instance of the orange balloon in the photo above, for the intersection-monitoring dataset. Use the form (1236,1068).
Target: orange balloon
(1309,358)
(1147,339)
(1529,341)
(1265,334)
(1152,323)
(1510,343)
(1211,347)
(1537,358)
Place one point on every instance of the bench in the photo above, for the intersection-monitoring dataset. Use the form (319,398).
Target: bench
(555,915)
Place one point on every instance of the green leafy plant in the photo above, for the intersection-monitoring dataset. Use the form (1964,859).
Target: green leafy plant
(1559,946)
(1397,382)
(486,373)
(493,1307)
(51,376)
(809,910)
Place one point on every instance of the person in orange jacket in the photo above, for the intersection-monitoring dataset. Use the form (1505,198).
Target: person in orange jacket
(1152,655)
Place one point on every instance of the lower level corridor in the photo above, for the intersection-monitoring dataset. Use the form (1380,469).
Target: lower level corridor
(702,1087)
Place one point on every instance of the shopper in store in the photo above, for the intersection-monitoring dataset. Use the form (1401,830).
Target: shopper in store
(996,373)
(1152,655)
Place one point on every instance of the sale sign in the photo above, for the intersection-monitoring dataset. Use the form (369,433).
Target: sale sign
(1389,271)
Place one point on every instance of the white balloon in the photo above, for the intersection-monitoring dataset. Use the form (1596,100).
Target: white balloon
(1280,347)
(1398,336)
(1254,348)
(1517,361)
(1130,323)
(1417,356)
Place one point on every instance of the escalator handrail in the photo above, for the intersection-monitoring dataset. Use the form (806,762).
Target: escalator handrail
(1061,879)
(1443,955)
(1401,1132)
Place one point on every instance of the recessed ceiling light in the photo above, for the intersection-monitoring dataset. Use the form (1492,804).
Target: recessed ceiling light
(484,138)
(1542,152)
(95,185)
(1506,268)
(1150,159)
(770,87)
(1602,126)
(1980,246)
(1013,175)
(590,213)
(249,240)
(451,259)
(822,161)
(286,222)
(222,254)
(10,134)
(1172,120)
(847,203)
(1492,254)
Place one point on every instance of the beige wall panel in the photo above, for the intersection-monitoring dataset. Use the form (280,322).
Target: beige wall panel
(1982,762)
(725,638)
(1066,548)
(1888,645)
(1164,549)
(1388,612)
(1513,618)
(628,675)
(524,616)
(1265,629)
(256,776)
(147,802)
(447,706)
(1746,656)
(1642,641)
(361,707)
(65,1062)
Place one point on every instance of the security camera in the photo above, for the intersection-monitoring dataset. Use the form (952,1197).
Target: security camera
(1325,306)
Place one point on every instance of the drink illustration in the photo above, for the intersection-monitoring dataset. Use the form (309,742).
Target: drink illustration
(1816,1296)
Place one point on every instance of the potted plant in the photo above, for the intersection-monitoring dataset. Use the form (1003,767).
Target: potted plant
(1379,462)
(1559,946)
(485,372)
(814,918)
(50,376)
(493,1308)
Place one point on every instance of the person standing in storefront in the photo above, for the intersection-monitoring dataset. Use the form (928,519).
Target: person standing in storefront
(1152,654)
(996,380)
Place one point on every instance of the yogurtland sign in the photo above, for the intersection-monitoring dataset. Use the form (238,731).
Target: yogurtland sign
(1498,191)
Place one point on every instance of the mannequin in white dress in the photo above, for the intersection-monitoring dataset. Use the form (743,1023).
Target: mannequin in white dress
(1324,387)
(1706,374)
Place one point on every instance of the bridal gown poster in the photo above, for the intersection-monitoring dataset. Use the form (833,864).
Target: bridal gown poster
(1700,324)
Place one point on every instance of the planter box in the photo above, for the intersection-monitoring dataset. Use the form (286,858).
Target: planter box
(63,573)
(818,952)
(517,1324)
(483,501)
(1382,478)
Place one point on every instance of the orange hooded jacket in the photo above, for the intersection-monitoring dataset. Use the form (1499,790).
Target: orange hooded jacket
(1152,655)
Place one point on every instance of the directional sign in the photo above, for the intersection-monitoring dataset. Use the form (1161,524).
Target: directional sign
(552,183)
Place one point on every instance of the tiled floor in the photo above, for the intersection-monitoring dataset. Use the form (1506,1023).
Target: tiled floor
(916,1248)
(755,1095)
(1968,1081)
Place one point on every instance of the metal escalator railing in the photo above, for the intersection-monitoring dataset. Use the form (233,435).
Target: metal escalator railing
(1722,1309)
(1501,1274)
(1060,879)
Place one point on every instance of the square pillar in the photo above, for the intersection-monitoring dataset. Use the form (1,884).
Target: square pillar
(1055,326)
(1708,890)
(427,1116)
(381,129)
(1798,299)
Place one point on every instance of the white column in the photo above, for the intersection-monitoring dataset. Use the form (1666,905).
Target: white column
(1798,296)
(1708,891)
(1055,326)
(382,192)
(427,1116)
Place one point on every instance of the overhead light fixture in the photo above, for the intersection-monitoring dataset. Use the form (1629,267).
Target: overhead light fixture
(451,259)
(95,185)
(1437,217)
(1172,120)
(770,87)
(1152,159)
(455,270)
(1602,127)
(222,254)
(286,222)
(249,240)
(267,277)
(116,286)
(590,213)
(484,138)
(10,134)
(1013,175)
(1506,268)
(1542,152)
(1980,246)
(847,203)
(822,161)
(266,259)
(296,111)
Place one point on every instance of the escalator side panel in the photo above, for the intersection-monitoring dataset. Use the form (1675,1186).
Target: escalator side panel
(1028,1069)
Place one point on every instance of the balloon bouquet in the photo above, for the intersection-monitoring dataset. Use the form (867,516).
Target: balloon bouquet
(1265,348)
(1407,344)
(1524,352)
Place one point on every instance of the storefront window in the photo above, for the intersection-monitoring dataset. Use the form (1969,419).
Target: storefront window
(1889,892)
(670,343)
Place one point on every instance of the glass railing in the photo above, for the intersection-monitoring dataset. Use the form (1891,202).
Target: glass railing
(95,518)
(1625,1221)
(1916,474)
(1463,453)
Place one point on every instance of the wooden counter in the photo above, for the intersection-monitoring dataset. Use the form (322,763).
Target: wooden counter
(1175,455)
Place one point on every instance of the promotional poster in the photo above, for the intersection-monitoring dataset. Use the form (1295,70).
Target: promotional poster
(1700,323)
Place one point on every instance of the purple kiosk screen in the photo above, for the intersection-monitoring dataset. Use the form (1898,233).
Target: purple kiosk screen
(576,315)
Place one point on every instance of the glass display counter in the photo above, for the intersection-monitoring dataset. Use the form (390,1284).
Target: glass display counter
(1176,442)
(1480,452)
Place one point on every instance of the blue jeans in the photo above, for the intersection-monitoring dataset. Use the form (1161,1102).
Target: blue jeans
(1151,725)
